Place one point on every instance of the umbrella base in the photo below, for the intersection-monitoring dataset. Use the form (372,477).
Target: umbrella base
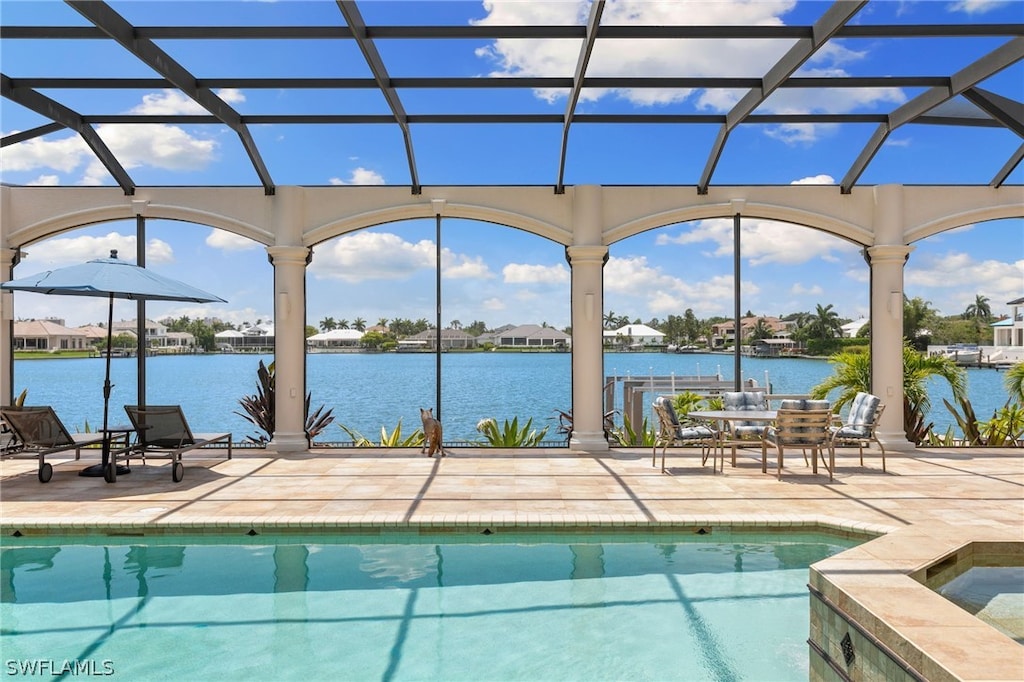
(97,470)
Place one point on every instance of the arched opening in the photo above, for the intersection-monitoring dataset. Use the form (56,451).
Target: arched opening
(372,355)
(671,302)
(183,362)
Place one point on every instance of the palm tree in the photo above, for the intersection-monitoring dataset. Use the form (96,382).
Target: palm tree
(343,324)
(824,323)
(359,324)
(853,374)
(327,324)
(1014,382)
(761,330)
(980,310)
(610,319)
(455,324)
(382,322)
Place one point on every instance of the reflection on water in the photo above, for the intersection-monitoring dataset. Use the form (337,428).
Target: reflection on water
(416,607)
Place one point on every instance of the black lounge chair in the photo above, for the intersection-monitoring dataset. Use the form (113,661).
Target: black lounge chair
(40,432)
(163,432)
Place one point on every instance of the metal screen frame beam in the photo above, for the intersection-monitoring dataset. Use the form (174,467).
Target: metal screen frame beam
(998,59)
(380,74)
(593,22)
(68,118)
(834,18)
(119,29)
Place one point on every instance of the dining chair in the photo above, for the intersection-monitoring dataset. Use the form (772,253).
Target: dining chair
(672,432)
(800,424)
(861,422)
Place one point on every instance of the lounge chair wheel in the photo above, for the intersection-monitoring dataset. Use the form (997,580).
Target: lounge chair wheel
(177,472)
(45,472)
(110,473)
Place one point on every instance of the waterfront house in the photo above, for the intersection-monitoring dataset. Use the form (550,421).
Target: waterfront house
(335,338)
(47,335)
(1009,331)
(533,336)
(723,332)
(427,340)
(634,336)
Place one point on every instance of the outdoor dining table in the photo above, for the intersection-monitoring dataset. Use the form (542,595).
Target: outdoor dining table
(720,416)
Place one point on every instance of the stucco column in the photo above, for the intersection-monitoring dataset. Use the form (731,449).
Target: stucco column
(289,347)
(586,261)
(886,260)
(7,260)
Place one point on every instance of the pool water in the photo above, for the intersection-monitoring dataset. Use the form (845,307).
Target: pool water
(454,607)
(994,594)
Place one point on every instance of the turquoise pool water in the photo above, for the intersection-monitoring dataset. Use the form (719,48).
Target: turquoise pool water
(503,607)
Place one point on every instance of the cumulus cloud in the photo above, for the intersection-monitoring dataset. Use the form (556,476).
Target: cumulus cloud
(762,241)
(161,146)
(953,277)
(654,57)
(386,256)
(360,176)
(522,273)
(229,241)
(821,179)
(64,251)
(661,293)
(493,304)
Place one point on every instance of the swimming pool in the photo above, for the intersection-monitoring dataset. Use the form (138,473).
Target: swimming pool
(654,606)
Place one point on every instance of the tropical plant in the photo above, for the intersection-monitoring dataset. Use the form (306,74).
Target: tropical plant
(852,374)
(627,436)
(359,324)
(761,330)
(387,440)
(510,435)
(259,409)
(1014,382)
(1006,428)
(327,324)
(686,402)
(824,324)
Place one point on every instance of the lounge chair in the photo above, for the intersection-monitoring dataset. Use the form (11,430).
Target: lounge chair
(800,424)
(861,422)
(40,433)
(163,432)
(671,432)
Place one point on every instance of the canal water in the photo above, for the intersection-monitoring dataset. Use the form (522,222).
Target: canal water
(369,391)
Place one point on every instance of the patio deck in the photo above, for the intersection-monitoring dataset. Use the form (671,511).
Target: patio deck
(930,503)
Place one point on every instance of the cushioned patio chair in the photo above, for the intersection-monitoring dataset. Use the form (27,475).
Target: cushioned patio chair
(737,432)
(800,424)
(859,427)
(671,432)
(163,432)
(40,433)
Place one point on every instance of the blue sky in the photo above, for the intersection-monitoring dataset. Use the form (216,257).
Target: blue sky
(492,273)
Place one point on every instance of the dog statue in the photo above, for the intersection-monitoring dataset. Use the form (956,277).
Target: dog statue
(432,434)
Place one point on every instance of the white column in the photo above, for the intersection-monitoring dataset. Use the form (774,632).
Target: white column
(586,260)
(7,258)
(289,347)
(887,258)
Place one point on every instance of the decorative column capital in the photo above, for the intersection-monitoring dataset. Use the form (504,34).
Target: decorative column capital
(579,255)
(889,254)
(294,255)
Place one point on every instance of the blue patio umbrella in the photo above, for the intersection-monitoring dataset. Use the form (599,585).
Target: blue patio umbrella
(109,278)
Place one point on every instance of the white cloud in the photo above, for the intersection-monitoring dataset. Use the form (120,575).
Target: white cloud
(821,179)
(763,241)
(656,57)
(950,281)
(634,278)
(229,241)
(800,290)
(522,273)
(976,6)
(493,304)
(360,176)
(386,256)
(45,181)
(63,251)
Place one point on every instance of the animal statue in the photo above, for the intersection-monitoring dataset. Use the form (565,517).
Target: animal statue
(432,434)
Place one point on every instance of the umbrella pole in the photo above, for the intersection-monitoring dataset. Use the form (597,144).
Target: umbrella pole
(106,382)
